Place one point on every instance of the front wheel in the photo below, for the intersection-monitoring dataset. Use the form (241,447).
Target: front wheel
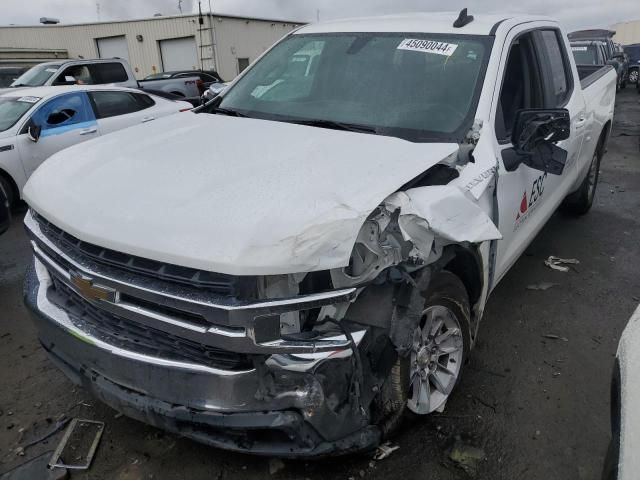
(633,76)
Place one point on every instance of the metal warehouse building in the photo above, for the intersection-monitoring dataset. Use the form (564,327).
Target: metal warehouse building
(151,45)
(627,33)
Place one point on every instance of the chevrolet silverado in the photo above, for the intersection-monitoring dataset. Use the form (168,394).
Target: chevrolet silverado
(290,269)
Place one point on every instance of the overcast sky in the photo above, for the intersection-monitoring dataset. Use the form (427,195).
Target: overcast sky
(573,13)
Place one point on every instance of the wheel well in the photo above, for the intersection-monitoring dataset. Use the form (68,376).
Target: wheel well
(12,183)
(604,138)
(466,264)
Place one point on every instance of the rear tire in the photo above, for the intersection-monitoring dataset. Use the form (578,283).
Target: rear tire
(9,190)
(580,201)
(433,367)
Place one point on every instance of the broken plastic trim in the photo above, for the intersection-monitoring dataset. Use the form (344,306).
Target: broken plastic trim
(410,228)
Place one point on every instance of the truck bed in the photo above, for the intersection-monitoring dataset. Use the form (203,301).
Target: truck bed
(590,73)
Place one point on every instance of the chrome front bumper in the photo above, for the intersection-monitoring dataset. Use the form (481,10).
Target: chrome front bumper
(276,406)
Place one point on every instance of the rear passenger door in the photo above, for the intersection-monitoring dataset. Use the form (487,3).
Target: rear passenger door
(116,110)
(537,75)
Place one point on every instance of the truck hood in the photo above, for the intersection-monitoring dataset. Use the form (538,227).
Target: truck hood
(231,195)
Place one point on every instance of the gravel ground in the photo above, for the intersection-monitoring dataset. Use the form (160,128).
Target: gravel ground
(536,407)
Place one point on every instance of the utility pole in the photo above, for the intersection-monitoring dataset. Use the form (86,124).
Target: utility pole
(318,15)
(98,9)
(180,6)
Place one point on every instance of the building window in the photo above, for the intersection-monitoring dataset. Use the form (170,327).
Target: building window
(242,64)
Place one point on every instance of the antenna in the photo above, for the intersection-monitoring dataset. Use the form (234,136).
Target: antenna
(463,19)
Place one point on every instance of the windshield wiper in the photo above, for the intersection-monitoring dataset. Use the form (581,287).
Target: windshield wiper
(228,111)
(332,124)
(19,85)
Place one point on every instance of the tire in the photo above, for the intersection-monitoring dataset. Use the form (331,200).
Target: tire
(580,201)
(10,192)
(446,303)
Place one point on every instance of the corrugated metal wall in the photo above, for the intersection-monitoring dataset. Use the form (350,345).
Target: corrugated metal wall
(235,38)
(627,33)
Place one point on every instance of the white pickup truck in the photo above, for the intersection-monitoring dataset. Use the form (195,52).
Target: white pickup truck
(319,258)
(110,71)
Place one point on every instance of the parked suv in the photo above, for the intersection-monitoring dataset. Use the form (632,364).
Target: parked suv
(634,61)
(9,74)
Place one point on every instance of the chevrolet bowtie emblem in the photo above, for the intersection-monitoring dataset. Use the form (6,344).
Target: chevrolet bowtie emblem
(89,290)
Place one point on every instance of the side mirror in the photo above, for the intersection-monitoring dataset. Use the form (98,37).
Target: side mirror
(534,135)
(537,126)
(33,132)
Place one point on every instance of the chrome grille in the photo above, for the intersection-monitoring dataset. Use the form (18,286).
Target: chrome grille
(136,337)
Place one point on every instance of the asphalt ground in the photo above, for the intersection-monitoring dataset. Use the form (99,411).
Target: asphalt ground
(533,401)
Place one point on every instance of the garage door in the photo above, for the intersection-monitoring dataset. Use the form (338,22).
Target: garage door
(111,47)
(179,54)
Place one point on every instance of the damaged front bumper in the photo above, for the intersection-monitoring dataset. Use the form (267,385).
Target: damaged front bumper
(221,373)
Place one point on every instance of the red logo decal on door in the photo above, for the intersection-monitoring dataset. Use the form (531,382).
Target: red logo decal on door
(523,205)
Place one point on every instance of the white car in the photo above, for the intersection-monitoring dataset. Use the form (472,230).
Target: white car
(36,123)
(623,462)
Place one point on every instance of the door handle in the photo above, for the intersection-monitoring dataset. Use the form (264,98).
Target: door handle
(148,119)
(87,131)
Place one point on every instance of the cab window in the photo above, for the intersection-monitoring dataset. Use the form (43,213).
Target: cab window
(554,61)
(63,111)
(521,86)
(110,104)
(109,73)
(75,74)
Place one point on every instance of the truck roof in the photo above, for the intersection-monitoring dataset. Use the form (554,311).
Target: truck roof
(64,61)
(419,22)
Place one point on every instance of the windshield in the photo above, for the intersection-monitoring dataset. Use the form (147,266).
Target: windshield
(421,87)
(36,76)
(585,54)
(13,108)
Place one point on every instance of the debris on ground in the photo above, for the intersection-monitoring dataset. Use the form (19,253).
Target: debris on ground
(557,263)
(467,457)
(60,424)
(80,442)
(384,450)
(551,336)
(542,286)
(275,465)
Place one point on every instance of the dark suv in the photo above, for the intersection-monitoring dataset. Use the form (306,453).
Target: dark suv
(634,62)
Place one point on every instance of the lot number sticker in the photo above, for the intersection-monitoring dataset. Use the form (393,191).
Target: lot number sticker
(579,49)
(428,46)
(29,99)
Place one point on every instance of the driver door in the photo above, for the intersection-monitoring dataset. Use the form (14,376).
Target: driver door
(64,121)
(537,74)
